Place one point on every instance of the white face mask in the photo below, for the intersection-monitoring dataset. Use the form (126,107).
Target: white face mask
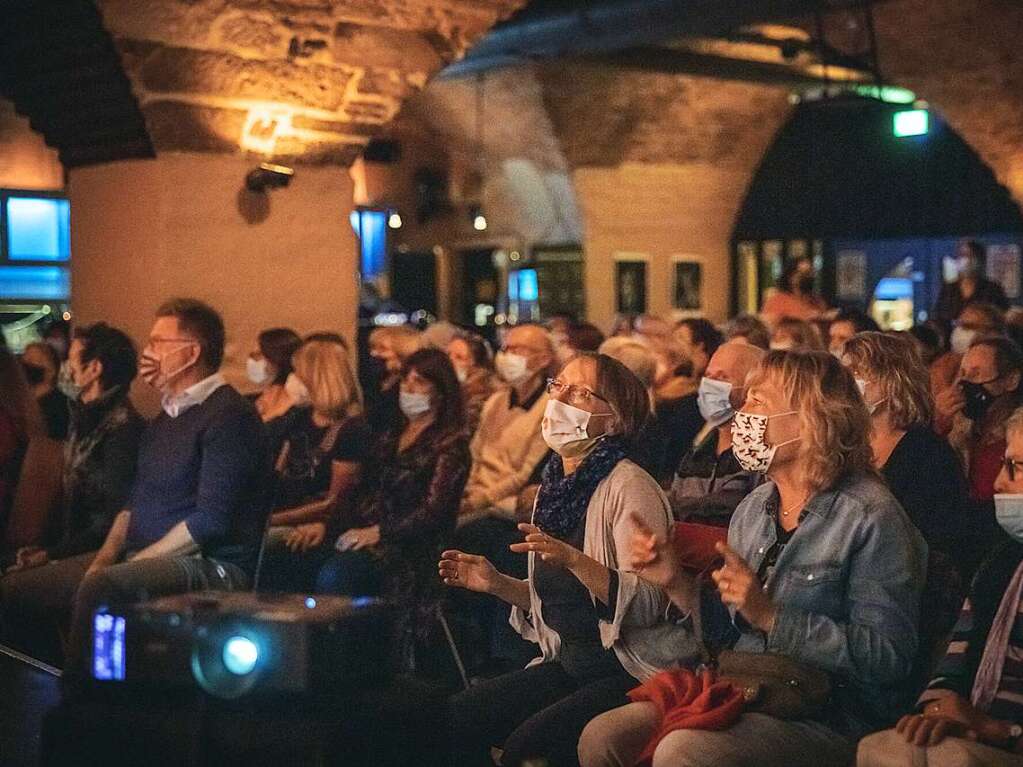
(297,390)
(748,445)
(413,404)
(1009,513)
(714,401)
(513,368)
(565,429)
(462,374)
(961,339)
(781,346)
(256,371)
(871,406)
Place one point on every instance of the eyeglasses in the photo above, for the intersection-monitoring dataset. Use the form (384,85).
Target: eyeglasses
(574,394)
(1010,465)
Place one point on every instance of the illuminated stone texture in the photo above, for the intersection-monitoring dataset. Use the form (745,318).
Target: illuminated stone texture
(291,80)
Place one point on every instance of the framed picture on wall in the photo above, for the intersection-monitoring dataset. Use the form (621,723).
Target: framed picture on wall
(630,283)
(687,287)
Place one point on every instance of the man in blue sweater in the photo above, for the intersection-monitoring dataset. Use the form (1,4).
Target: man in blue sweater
(195,517)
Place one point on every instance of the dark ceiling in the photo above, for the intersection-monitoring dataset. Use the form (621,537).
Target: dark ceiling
(59,67)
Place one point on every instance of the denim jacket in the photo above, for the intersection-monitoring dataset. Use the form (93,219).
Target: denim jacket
(847,587)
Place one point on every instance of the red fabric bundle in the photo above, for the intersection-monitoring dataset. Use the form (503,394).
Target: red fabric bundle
(686,701)
(694,544)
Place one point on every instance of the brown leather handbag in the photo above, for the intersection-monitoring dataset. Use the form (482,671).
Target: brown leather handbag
(777,685)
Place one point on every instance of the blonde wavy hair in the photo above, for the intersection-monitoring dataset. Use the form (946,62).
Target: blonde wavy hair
(894,364)
(325,369)
(833,421)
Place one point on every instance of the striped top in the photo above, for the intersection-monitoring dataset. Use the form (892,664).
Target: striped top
(957,671)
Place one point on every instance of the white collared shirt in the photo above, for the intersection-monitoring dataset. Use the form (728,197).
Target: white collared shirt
(194,395)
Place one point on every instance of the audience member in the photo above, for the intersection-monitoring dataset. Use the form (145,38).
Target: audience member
(438,335)
(822,569)
(675,398)
(42,368)
(972,414)
(972,286)
(474,367)
(102,446)
(389,347)
(750,329)
(970,713)
(268,366)
(579,338)
(507,447)
(795,335)
(793,297)
(58,336)
(651,444)
(698,339)
(977,320)
(599,627)
(709,482)
(921,469)
(845,324)
(20,421)
(652,330)
(196,513)
(408,499)
(324,450)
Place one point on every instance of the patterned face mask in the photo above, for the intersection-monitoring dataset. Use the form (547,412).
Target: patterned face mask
(748,445)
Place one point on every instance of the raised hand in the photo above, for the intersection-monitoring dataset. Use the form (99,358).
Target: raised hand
(739,586)
(547,547)
(467,571)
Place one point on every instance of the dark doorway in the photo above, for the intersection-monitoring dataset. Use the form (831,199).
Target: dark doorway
(414,282)
(480,281)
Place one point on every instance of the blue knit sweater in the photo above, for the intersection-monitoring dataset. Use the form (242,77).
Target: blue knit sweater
(208,468)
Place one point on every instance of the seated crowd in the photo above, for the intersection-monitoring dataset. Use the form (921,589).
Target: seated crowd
(797,542)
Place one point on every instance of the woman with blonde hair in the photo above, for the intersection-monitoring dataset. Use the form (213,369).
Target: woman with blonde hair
(389,347)
(822,577)
(325,442)
(922,469)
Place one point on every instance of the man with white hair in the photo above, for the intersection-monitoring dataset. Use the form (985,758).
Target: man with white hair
(709,483)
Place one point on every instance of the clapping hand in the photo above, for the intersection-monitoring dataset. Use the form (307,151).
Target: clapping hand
(739,586)
(547,547)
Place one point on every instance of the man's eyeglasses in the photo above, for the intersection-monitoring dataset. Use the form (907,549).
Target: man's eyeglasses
(574,394)
(1011,467)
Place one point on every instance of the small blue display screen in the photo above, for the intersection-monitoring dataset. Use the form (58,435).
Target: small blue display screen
(108,647)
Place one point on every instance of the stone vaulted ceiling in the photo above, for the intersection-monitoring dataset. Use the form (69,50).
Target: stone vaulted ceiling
(290,80)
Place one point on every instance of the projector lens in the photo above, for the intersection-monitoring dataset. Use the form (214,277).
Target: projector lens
(240,655)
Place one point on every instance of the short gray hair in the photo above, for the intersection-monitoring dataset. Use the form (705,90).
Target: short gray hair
(1015,423)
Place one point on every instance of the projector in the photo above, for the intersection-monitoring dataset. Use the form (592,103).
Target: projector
(235,644)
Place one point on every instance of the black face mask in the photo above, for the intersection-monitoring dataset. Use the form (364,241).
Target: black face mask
(978,399)
(33,373)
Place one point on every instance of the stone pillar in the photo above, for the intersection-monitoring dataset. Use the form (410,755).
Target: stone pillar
(147,230)
(661,164)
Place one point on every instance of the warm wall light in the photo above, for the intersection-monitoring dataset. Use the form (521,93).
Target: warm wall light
(263,126)
(394,220)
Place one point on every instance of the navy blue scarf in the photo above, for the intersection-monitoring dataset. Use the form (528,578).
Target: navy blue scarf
(562,501)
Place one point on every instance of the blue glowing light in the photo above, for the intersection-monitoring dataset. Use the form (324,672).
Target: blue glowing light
(240,655)
(38,229)
(310,602)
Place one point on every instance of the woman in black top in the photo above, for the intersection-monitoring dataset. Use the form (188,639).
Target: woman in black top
(323,450)
(409,496)
(922,469)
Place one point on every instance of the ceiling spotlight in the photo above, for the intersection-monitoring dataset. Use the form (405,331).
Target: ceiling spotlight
(268,176)
(394,220)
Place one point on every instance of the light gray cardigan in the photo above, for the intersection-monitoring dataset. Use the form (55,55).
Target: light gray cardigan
(640,634)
